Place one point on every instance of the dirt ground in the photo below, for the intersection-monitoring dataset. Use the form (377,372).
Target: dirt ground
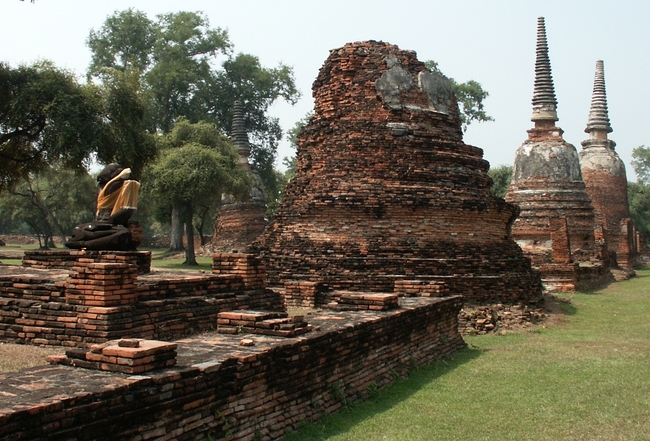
(14,358)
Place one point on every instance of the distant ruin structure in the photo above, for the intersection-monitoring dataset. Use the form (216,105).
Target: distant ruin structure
(241,222)
(556,225)
(604,175)
(387,197)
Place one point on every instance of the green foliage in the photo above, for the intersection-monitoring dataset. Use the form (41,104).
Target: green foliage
(126,40)
(176,57)
(501,176)
(196,166)
(194,173)
(470,96)
(51,202)
(639,200)
(641,164)
(638,193)
(126,140)
(45,118)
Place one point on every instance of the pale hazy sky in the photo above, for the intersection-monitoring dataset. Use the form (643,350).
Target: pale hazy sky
(490,41)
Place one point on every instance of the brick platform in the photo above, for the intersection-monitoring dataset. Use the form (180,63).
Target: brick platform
(228,391)
(51,259)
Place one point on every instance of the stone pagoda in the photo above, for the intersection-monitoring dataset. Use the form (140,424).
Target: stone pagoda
(556,224)
(240,222)
(387,197)
(604,174)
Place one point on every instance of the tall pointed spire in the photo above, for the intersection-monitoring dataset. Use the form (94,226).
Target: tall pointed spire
(544,101)
(239,135)
(598,115)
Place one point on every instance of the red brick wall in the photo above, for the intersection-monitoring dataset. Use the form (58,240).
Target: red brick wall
(264,389)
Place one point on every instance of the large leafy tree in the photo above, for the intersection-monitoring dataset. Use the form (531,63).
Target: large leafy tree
(125,139)
(177,57)
(46,117)
(196,166)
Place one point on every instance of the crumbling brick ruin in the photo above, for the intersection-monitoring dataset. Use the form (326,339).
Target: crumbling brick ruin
(262,374)
(240,222)
(604,175)
(387,197)
(556,225)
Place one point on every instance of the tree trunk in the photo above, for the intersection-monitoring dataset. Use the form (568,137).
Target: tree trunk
(176,244)
(190,257)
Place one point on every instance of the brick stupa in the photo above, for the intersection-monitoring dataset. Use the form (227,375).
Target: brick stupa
(604,174)
(240,222)
(556,211)
(387,197)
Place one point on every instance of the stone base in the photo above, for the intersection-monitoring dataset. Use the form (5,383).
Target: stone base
(51,259)
(125,356)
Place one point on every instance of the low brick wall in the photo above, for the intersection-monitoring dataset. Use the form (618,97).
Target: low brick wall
(107,300)
(49,259)
(228,391)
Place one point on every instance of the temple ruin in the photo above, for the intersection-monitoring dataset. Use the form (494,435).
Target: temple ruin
(240,222)
(387,197)
(556,227)
(604,175)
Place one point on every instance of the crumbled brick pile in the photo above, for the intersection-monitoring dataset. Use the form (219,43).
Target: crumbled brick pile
(68,258)
(351,301)
(387,191)
(491,318)
(128,356)
(277,324)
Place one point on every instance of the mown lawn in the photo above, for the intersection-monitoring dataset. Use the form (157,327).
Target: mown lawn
(585,379)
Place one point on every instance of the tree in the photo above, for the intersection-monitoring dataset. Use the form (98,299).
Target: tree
(51,202)
(639,192)
(195,169)
(176,58)
(46,117)
(125,41)
(125,139)
(641,164)
(470,96)
(639,199)
(501,176)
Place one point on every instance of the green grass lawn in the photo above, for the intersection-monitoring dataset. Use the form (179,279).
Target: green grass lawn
(585,379)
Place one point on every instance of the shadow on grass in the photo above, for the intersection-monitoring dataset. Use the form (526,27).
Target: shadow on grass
(559,305)
(383,400)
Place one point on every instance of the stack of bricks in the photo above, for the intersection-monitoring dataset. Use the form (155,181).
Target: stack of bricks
(127,356)
(351,301)
(102,284)
(247,266)
(420,288)
(50,259)
(301,293)
(277,324)
(386,187)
